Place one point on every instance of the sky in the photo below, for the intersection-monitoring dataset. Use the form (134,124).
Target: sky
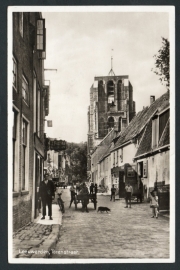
(79,45)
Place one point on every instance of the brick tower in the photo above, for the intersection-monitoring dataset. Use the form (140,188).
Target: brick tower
(111,106)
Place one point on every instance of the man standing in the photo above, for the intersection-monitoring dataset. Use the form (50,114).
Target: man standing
(129,192)
(85,199)
(113,192)
(73,192)
(91,188)
(46,192)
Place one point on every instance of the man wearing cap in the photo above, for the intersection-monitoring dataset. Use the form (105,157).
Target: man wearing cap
(46,192)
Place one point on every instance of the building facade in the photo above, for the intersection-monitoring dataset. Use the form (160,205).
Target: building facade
(139,155)
(30,106)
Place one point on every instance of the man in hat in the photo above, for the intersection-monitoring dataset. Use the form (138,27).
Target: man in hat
(46,192)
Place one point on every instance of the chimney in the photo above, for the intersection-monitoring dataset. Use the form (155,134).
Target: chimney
(152,99)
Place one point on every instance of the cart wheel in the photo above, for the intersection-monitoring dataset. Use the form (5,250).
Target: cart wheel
(95,205)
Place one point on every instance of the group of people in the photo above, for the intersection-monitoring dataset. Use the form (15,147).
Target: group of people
(128,194)
(47,194)
(83,190)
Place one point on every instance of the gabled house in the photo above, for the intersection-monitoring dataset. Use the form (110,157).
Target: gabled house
(146,135)
(153,154)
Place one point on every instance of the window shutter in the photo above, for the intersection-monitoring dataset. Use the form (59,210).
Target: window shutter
(145,168)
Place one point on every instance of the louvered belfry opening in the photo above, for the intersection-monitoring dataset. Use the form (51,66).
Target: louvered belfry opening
(110,93)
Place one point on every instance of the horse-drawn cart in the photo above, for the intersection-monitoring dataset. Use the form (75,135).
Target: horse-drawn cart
(91,198)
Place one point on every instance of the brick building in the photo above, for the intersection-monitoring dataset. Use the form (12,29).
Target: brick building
(111,106)
(30,106)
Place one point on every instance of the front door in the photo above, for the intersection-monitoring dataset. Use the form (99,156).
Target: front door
(121,185)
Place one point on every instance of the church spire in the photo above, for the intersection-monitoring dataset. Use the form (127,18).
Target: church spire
(111,72)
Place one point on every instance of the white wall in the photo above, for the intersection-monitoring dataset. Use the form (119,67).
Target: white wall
(158,167)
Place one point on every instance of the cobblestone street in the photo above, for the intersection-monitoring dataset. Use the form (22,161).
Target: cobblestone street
(123,233)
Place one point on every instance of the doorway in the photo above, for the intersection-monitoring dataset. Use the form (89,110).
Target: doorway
(121,185)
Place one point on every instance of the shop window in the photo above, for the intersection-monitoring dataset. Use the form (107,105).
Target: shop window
(25,90)
(14,73)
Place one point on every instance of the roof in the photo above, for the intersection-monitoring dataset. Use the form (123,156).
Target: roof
(107,152)
(140,121)
(145,144)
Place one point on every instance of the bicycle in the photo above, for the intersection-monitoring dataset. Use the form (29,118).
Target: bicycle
(60,203)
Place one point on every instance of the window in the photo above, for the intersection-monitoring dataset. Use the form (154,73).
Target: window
(25,90)
(21,23)
(114,159)
(110,122)
(110,92)
(117,156)
(40,35)
(14,73)
(24,152)
(14,145)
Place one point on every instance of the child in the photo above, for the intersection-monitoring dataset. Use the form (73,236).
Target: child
(154,203)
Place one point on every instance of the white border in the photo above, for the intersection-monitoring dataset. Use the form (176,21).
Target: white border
(171,11)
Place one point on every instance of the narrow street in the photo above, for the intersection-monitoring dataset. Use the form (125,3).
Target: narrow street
(123,233)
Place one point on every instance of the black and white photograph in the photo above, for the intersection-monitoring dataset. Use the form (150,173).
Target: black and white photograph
(91,134)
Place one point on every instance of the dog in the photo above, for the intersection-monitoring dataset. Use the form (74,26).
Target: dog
(103,209)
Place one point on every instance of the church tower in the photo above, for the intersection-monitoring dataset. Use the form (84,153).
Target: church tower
(111,106)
